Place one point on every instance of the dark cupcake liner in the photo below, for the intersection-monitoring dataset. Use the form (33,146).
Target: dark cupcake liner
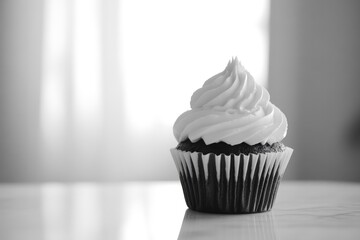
(230,183)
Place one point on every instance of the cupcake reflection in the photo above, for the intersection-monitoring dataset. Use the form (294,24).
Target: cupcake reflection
(197,225)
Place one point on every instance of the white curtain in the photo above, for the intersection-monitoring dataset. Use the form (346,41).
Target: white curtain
(114,75)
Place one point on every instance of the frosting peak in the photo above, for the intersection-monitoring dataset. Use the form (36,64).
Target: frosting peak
(231,107)
(234,88)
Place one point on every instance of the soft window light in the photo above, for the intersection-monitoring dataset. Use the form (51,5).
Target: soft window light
(170,50)
(53,93)
(117,73)
(87,63)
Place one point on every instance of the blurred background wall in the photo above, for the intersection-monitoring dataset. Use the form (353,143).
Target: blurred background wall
(89,90)
(314,78)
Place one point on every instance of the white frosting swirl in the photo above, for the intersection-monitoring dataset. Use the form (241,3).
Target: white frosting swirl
(231,107)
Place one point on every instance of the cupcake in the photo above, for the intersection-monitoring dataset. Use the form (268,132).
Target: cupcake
(229,156)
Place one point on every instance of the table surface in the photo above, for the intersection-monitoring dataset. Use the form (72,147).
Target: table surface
(157,210)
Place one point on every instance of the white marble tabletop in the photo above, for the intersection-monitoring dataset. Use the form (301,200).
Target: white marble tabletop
(157,210)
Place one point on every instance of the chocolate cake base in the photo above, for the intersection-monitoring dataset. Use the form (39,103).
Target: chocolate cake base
(224,148)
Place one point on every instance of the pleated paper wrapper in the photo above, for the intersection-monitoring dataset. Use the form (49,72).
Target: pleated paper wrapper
(230,183)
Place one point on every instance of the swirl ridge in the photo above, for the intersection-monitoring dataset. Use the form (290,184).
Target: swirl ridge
(231,107)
